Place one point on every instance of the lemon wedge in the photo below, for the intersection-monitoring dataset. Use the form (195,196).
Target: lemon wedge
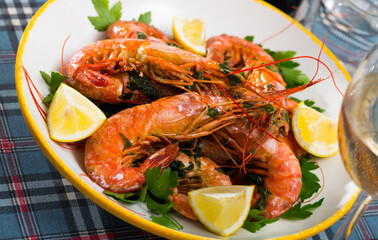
(71,116)
(222,209)
(190,32)
(315,132)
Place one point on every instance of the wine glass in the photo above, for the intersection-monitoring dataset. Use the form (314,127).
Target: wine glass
(358,137)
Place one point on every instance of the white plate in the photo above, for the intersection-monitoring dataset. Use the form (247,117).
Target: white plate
(40,49)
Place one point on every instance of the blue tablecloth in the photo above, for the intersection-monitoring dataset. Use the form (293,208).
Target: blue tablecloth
(36,202)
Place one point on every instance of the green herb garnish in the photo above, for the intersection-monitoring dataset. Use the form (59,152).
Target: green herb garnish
(105,16)
(199,75)
(248,105)
(310,182)
(212,112)
(126,142)
(174,45)
(190,87)
(141,35)
(293,77)
(197,161)
(309,103)
(269,109)
(260,184)
(310,185)
(154,193)
(130,197)
(145,18)
(180,167)
(160,183)
(234,79)
(143,84)
(298,213)
(167,221)
(249,38)
(255,221)
(53,82)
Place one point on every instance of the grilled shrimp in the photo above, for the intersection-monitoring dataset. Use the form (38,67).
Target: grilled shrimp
(283,177)
(113,152)
(271,159)
(241,54)
(237,52)
(193,174)
(136,30)
(104,70)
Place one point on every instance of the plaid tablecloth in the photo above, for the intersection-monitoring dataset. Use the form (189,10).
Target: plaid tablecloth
(36,202)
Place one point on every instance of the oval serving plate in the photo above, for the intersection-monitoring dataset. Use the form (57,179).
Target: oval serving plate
(40,49)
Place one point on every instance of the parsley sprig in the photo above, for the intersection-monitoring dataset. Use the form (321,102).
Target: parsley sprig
(105,16)
(292,76)
(310,182)
(53,82)
(255,221)
(310,186)
(144,18)
(212,112)
(154,193)
(298,213)
(309,103)
(233,78)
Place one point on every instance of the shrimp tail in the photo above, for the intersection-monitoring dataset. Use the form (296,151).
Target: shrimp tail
(162,158)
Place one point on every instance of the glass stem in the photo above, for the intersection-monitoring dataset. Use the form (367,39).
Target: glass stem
(351,218)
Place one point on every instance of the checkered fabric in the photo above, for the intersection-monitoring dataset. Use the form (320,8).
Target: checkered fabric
(36,202)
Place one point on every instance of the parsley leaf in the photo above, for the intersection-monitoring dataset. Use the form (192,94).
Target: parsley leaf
(126,142)
(105,16)
(212,112)
(249,38)
(318,109)
(309,103)
(155,192)
(310,182)
(297,212)
(141,35)
(145,18)
(158,207)
(269,109)
(142,83)
(174,45)
(160,183)
(293,77)
(180,167)
(257,222)
(167,221)
(280,55)
(260,184)
(53,82)
(130,197)
(234,79)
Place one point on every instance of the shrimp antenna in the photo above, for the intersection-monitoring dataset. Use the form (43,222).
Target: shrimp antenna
(61,57)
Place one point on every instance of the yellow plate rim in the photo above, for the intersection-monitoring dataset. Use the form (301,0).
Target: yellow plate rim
(116,209)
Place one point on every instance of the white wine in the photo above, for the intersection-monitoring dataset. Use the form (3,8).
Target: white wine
(358,133)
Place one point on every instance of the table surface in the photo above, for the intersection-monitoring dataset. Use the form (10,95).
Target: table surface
(36,202)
